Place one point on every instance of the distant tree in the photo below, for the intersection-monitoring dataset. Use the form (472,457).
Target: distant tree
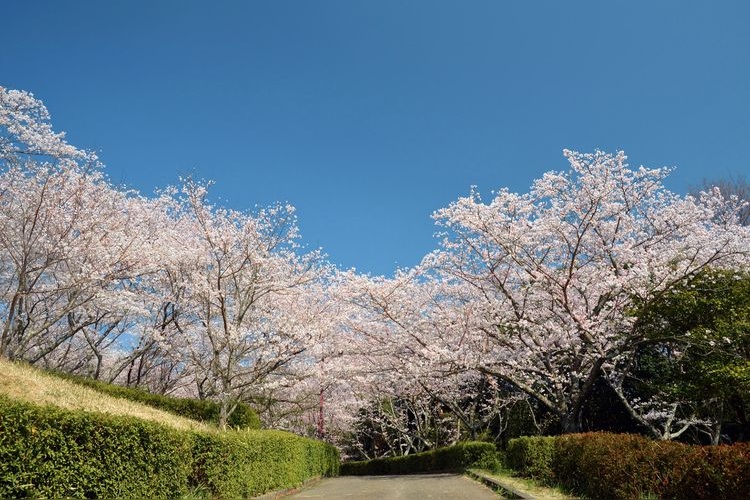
(732,186)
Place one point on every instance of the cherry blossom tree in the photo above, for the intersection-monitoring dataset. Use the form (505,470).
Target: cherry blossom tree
(89,270)
(304,395)
(551,275)
(736,187)
(241,298)
(408,352)
(530,299)
(26,135)
(72,251)
(70,243)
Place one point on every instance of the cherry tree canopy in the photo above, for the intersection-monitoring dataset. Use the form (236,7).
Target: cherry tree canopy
(551,275)
(530,296)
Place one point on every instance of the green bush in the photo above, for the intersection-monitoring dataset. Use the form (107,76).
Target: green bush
(615,465)
(492,462)
(243,417)
(605,465)
(531,456)
(246,463)
(50,452)
(457,457)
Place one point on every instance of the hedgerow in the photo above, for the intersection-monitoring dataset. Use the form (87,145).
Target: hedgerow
(243,417)
(604,465)
(531,456)
(248,463)
(50,452)
(450,458)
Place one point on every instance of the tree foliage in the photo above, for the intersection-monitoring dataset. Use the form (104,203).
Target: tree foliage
(696,351)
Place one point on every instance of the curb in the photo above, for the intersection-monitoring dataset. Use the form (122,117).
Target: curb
(499,486)
(273,495)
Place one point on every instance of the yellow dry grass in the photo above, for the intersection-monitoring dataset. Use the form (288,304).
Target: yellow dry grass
(25,383)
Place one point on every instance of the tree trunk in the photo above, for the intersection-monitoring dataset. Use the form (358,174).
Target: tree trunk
(227,407)
(224,413)
(572,419)
(571,422)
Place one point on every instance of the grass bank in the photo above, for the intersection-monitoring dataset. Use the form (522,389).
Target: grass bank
(61,439)
(22,382)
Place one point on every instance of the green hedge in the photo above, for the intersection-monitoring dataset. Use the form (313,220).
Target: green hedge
(531,456)
(604,465)
(50,452)
(457,457)
(248,463)
(243,417)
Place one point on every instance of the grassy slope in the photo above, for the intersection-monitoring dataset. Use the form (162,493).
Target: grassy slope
(25,383)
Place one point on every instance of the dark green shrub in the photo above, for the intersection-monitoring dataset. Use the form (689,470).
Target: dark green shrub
(243,417)
(532,456)
(493,462)
(457,457)
(45,451)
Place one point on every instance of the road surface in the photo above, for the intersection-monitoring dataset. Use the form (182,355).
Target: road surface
(408,487)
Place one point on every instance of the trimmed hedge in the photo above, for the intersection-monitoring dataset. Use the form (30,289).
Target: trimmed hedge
(249,463)
(604,465)
(243,417)
(50,452)
(458,457)
(531,456)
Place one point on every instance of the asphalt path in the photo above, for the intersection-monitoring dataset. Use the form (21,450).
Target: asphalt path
(407,487)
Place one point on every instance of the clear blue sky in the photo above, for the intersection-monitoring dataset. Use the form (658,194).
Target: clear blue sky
(370,115)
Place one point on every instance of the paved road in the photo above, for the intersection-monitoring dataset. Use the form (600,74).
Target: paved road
(433,486)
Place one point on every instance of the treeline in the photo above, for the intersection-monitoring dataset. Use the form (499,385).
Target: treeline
(597,300)
(168,293)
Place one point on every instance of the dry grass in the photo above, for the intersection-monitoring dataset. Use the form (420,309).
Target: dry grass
(25,383)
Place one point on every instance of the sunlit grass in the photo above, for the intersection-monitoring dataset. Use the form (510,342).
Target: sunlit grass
(526,485)
(25,383)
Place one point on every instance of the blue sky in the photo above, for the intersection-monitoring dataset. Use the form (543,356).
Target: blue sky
(368,116)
